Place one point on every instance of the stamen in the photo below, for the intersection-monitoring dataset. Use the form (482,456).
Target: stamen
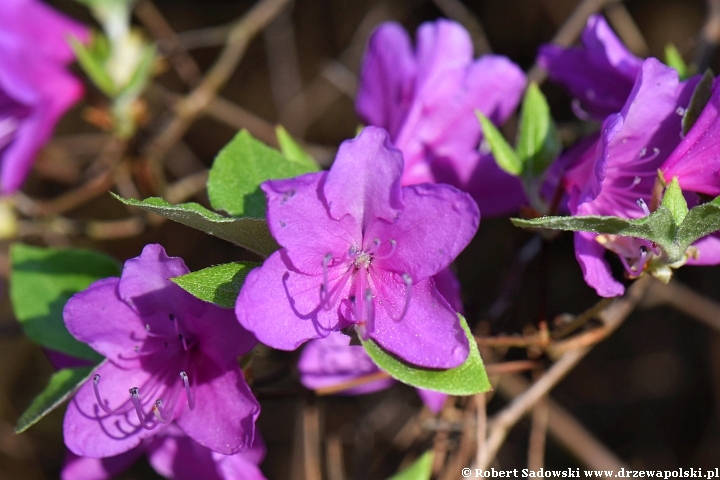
(157,411)
(393,245)
(331,299)
(190,398)
(643,257)
(641,203)
(184,342)
(135,399)
(373,248)
(324,289)
(96,381)
(407,280)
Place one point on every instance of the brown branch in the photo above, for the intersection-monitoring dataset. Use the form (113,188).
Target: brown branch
(710,36)
(564,428)
(627,29)
(686,300)
(613,316)
(191,106)
(538,434)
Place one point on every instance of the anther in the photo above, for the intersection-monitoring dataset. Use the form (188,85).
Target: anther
(147,327)
(641,203)
(188,393)
(373,248)
(393,245)
(135,399)
(407,280)
(157,411)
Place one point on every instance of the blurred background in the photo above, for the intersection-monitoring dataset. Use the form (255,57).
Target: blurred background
(650,393)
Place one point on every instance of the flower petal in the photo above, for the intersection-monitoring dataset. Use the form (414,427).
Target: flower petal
(387,78)
(433,400)
(332,361)
(282,306)
(117,334)
(364,181)
(429,335)
(90,432)
(695,160)
(181,458)
(600,74)
(596,272)
(708,251)
(437,224)
(85,468)
(223,419)
(449,287)
(299,220)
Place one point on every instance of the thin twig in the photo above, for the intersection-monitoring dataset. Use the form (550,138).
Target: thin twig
(538,434)
(627,29)
(686,300)
(613,316)
(564,428)
(215,78)
(311,443)
(710,37)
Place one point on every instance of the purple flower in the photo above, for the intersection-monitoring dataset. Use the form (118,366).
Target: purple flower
(426,100)
(360,250)
(333,361)
(170,358)
(600,74)
(173,455)
(35,87)
(616,176)
(696,161)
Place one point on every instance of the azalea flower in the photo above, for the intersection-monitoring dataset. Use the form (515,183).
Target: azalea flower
(695,162)
(35,87)
(600,74)
(358,250)
(173,455)
(170,358)
(426,99)
(332,361)
(616,177)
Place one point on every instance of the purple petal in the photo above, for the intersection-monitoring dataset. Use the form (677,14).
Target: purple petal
(387,78)
(495,191)
(596,272)
(84,468)
(220,336)
(181,458)
(332,361)
(116,335)
(442,46)
(223,419)
(300,222)
(436,225)
(708,251)
(282,306)
(364,181)
(433,400)
(600,74)
(429,335)
(449,287)
(90,432)
(695,161)
(145,284)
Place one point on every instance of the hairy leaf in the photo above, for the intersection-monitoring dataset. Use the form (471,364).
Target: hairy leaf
(219,284)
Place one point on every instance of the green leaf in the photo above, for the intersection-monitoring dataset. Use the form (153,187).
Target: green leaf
(502,151)
(93,64)
(62,385)
(700,221)
(700,98)
(250,233)
(293,151)
(538,140)
(674,59)
(219,284)
(42,281)
(239,169)
(421,469)
(467,379)
(675,201)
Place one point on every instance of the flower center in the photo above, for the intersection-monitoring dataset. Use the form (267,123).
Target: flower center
(157,347)
(358,264)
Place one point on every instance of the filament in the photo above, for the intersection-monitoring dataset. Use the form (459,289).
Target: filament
(135,399)
(331,299)
(157,411)
(641,203)
(393,245)
(324,289)
(188,392)
(96,382)
(407,280)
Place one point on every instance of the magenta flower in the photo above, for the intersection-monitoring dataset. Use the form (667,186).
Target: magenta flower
(35,86)
(616,176)
(332,361)
(173,455)
(696,161)
(360,250)
(170,358)
(600,74)
(426,100)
